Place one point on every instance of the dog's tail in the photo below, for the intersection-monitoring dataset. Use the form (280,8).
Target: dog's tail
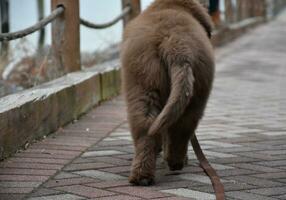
(182,81)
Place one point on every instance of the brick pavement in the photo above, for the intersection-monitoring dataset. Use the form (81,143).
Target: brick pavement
(243,135)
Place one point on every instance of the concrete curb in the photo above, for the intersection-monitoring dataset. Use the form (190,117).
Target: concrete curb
(39,111)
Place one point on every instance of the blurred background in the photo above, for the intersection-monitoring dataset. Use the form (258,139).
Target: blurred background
(27,62)
(17,68)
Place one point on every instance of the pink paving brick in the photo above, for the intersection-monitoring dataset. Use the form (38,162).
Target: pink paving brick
(53,152)
(45,192)
(42,145)
(85,191)
(23,178)
(69,181)
(30,166)
(12,196)
(44,156)
(15,190)
(39,160)
(15,171)
(86,166)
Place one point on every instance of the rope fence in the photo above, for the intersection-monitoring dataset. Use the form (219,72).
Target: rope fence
(124,13)
(66,21)
(38,26)
(55,13)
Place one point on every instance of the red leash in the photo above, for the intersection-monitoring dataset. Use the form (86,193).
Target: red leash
(209,170)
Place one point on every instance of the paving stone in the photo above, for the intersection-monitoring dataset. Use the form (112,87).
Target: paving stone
(19,184)
(221,167)
(39,160)
(58,197)
(220,144)
(174,198)
(65,175)
(160,185)
(276,163)
(23,178)
(124,133)
(118,197)
(105,176)
(45,192)
(117,169)
(113,160)
(12,196)
(15,171)
(235,172)
(244,195)
(109,184)
(139,192)
(255,181)
(197,178)
(69,181)
(228,186)
(101,153)
(31,166)
(218,155)
(258,168)
(190,194)
(282,197)
(86,166)
(85,191)
(269,191)
(15,190)
(278,175)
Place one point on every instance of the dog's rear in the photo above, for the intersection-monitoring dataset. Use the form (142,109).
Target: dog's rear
(167,73)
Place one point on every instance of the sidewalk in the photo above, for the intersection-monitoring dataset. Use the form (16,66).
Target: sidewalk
(243,134)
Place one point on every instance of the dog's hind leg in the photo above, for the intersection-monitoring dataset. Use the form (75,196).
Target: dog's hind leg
(142,111)
(178,141)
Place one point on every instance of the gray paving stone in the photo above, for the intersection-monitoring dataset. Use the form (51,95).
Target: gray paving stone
(190,194)
(101,153)
(255,181)
(58,197)
(105,176)
(270,191)
(244,195)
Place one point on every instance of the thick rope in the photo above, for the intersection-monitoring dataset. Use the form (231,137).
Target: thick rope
(209,170)
(125,12)
(41,24)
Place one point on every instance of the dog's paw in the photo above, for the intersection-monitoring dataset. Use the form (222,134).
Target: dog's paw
(141,181)
(176,166)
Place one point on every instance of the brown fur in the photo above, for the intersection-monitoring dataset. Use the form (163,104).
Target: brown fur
(168,70)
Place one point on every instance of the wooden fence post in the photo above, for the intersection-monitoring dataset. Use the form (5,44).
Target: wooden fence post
(5,26)
(229,11)
(66,36)
(135,9)
(41,14)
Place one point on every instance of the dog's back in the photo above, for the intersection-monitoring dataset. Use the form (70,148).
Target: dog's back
(168,69)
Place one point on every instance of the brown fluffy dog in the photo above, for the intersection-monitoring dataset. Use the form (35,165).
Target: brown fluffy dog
(168,70)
